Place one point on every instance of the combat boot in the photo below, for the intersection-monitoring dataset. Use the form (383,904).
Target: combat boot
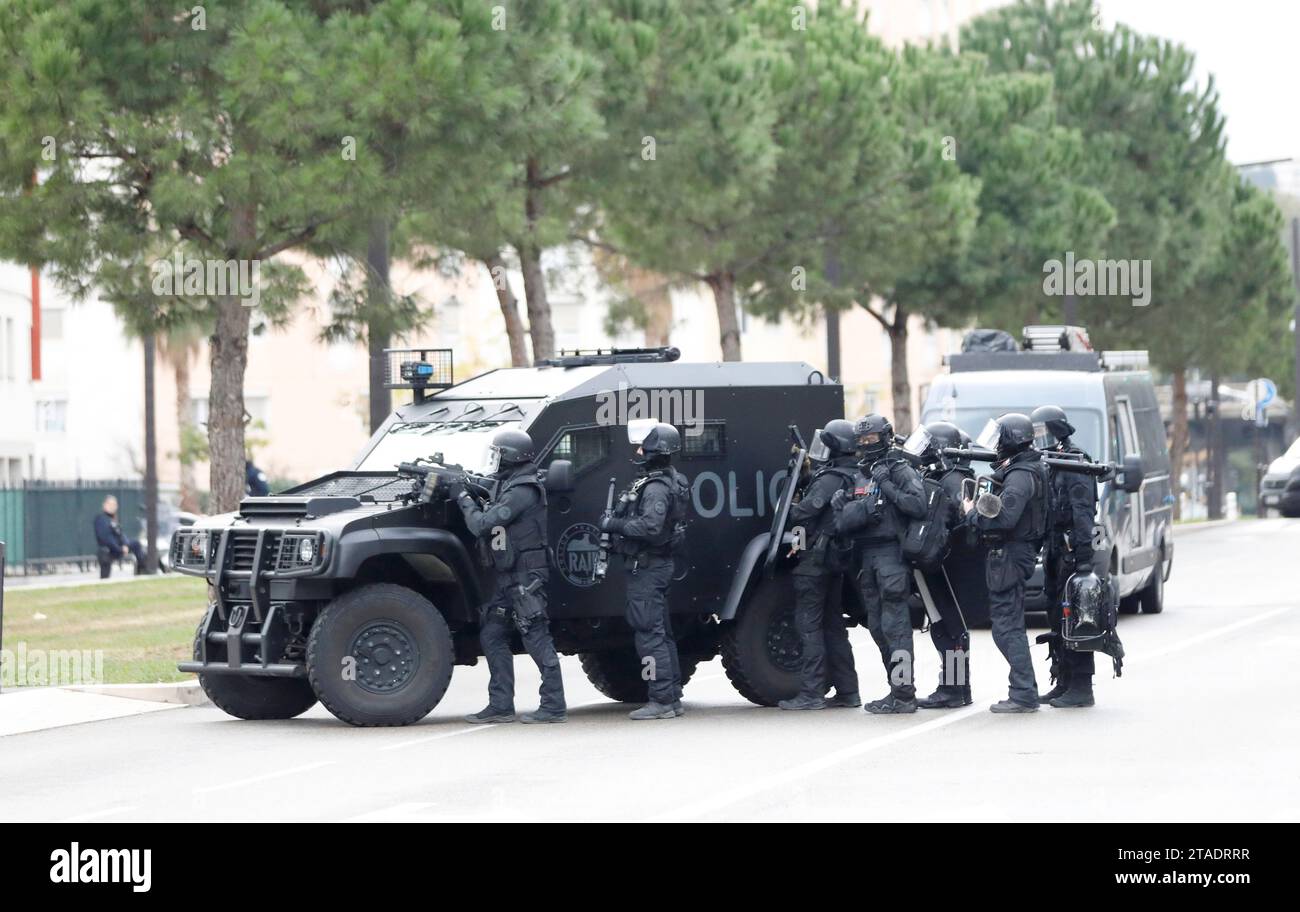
(491,714)
(802,702)
(944,699)
(653,710)
(844,701)
(1078,696)
(890,705)
(544,715)
(1059,689)
(1011,706)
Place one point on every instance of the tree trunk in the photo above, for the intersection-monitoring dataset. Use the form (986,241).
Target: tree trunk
(496,267)
(189,486)
(1179,440)
(378,326)
(530,262)
(150,459)
(1217,473)
(229,361)
(723,285)
(900,384)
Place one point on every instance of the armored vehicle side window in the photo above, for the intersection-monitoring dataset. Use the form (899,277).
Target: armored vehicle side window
(585,447)
(709,439)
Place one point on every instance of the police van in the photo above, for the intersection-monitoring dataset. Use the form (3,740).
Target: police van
(1111,401)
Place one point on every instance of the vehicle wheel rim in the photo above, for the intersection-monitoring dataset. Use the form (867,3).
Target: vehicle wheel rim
(386,657)
(784,647)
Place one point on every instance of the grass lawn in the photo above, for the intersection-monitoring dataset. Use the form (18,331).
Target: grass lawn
(144,627)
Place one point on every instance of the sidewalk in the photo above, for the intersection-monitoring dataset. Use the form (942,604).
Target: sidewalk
(30,709)
(75,578)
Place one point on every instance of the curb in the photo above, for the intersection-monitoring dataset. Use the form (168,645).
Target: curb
(184,693)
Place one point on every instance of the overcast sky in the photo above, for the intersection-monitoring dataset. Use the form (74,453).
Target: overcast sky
(1252,47)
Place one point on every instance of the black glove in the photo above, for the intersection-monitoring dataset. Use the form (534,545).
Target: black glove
(611,523)
(880,472)
(839,499)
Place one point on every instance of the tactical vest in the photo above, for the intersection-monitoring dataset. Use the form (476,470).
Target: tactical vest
(1062,511)
(525,534)
(1032,524)
(674,525)
(826,521)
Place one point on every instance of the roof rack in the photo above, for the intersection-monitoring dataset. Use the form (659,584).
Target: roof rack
(418,369)
(586,357)
(1126,360)
(1050,338)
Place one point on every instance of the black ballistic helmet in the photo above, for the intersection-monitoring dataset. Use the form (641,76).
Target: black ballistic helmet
(1015,434)
(663,440)
(874,435)
(513,446)
(946,435)
(1050,426)
(839,437)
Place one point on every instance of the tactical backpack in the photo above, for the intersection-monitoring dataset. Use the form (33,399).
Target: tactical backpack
(1042,508)
(925,544)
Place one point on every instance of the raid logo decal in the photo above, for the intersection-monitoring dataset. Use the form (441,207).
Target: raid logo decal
(575,554)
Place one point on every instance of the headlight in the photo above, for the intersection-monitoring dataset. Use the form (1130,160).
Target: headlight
(307,550)
(198,548)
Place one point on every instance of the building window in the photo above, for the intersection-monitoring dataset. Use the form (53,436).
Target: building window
(52,416)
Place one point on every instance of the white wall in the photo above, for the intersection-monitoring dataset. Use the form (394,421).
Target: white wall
(16,409)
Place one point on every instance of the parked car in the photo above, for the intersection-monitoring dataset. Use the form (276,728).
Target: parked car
(1280,488)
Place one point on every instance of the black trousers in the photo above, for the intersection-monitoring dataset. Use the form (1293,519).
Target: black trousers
(1008,569)
(648,579)
(819,618)
(1066,664)
(504,613)
(108,557)
(885,582)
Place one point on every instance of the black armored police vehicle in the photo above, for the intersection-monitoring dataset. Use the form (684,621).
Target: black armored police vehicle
(360,589)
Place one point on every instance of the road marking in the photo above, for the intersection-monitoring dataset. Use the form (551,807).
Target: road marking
(263,777)
(467,730)
(731,796)
(96,815)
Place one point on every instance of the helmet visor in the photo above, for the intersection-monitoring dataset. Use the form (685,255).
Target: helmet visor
(818,451)
(638,429)
(1044,439)
(493,463)
(871,440)
(988,438)
(918,442)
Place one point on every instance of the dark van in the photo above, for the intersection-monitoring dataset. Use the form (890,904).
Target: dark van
(1111,401)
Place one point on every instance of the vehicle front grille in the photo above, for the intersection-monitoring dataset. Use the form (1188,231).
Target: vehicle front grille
(1274,484)
(241,548)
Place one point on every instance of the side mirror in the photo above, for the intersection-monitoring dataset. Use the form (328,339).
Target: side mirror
(1132,474)
(558,478)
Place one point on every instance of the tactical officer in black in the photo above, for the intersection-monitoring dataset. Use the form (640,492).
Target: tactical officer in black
(647,523)
(950,635)
(1069,547)
(876,519)
(819,575)
(511,531)
(1012,526)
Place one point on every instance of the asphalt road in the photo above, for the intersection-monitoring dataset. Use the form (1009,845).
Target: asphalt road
(1201,727)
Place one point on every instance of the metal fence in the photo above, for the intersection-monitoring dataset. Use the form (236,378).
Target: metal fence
(45,524)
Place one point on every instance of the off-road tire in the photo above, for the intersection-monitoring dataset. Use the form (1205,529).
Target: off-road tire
(255,697)
(338,628)
(765,620)
(616,673)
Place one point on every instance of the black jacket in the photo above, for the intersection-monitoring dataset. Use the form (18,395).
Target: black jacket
(880,510)
(1075,498)
(108,534)
(813,511)
(519,509)
(1023,516)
